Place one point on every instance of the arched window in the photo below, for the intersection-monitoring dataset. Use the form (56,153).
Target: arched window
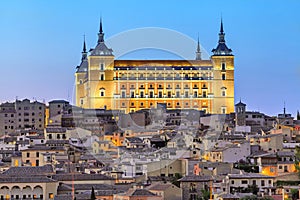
(102,92)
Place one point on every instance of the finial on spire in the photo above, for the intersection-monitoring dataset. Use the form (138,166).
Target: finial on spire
(100,34)
(84,46)
(101,30)
(221,29)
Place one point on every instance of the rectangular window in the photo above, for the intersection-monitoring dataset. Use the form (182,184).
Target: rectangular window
(223,66)
(204,94)
(102,77)
(223,77)
(262,182)
(51,195)
(186,94)
(169,94)
(142,94)
(37,154)
(101,66)
(244,182)
(195,94)
(151,94)
(160,94)
(28,154)
(177,94)
(123,95)
(132,94)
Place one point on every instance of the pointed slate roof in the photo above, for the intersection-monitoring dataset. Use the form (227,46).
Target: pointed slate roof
(222,49)
(84,62)
(101,49)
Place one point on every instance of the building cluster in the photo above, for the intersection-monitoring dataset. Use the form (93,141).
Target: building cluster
(156,153)
(148,130)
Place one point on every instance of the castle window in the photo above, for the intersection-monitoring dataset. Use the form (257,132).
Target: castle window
(223,77)
(80,81)
(223,93)
(204,94)
(223,110)
(151,94)
(169,94)
(123,104)
(132,104)
(223,66)
(186,94)
(142,104)
(102,77)
(195,94)
(101,66)
(142,94)
(177,94)
(102,92)
(123,95)
(132,94)
(160,94)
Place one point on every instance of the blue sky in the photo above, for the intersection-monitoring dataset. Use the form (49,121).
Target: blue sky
(41,43)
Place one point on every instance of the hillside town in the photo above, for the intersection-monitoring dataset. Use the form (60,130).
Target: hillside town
(61,151)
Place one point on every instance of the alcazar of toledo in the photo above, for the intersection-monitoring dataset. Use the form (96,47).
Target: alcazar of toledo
(130,85)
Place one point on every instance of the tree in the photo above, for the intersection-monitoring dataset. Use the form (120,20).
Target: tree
(175,179)
(93,196)
(295,194)
(297,160)
(205,194)
(298,115)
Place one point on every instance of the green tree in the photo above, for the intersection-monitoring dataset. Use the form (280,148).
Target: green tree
(295,194)
(297,160)
(176,178)
(93,196)
(205,194)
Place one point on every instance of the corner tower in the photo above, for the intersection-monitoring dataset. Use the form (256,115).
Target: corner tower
(95,76)
(100,87)
(81,77)
(223,85)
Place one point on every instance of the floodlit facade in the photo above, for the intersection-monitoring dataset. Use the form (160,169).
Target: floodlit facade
(130,85)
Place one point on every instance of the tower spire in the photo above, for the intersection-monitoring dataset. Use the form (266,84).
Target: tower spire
(100,31)
(221,34)
(84,46)
(222,48)
(198,52)
(284,107)
(221,29)
(84,53)
(100,34)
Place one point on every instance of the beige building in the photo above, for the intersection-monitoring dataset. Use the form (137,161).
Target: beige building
(131,85)
(28,183)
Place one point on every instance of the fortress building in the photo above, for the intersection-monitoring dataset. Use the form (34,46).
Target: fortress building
(130,85)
